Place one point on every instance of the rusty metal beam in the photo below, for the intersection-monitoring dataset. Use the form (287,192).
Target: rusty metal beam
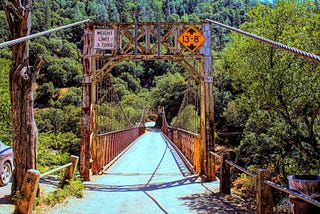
(140,41)
(206,50)
(86,102)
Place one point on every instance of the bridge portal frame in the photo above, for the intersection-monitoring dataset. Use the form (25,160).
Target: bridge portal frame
(146,41)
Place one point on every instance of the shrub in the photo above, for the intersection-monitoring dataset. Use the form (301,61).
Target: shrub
(74,188)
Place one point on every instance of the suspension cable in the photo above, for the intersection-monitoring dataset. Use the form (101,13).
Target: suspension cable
(25,38)
(117,99)
(305,54)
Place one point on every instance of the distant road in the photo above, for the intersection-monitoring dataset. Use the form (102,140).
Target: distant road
(150,124)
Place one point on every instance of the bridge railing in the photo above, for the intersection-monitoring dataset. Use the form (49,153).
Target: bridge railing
(187,142)
(112,144)
(264,187)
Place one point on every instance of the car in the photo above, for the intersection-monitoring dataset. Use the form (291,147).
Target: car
(6,164)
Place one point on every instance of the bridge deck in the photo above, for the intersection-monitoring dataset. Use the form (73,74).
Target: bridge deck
(149,178)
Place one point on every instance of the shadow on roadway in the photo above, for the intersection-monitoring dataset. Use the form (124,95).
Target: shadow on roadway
(210,202)
(142,187)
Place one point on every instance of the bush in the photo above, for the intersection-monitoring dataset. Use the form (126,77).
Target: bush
(45,93)
(245,185)
(74,188)
(57,121)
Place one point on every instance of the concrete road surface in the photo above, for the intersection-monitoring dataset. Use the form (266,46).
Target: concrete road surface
(149,178)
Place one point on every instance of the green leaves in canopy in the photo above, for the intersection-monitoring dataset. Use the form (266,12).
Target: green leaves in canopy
(5,107)
(168,92)
(277,84)
(54,120)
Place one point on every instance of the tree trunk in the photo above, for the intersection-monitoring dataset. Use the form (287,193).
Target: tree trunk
(22,78)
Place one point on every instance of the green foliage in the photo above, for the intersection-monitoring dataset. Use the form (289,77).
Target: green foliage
(278,92)
(168,92)
(188,119)
(54,149)
(111,118)
(5,116)
(75,188)
(73,97)
(245,186)
(133,105)
(57,120)
(63,72)
(45,93)
(4,36)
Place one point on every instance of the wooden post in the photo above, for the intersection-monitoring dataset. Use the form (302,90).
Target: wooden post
(264,192)
(70,171)
(224,174)
(28,192)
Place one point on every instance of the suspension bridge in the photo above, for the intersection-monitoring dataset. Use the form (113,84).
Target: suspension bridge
(147,169)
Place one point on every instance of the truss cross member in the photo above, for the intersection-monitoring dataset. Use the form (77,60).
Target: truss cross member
(144,41)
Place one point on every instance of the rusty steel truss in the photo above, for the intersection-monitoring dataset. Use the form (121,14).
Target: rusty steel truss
(146,41)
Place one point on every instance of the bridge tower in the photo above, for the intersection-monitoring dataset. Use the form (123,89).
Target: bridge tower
(107,44)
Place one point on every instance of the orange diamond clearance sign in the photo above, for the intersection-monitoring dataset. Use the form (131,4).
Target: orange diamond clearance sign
(192,39)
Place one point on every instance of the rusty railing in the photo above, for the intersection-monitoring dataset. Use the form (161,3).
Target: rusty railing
(187,142)
(112,144)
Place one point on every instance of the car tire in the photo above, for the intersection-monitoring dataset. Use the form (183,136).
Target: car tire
(6,174)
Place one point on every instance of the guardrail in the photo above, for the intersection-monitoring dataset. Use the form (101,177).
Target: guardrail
(264,196)
(110,145)
(27,194)
(187,142)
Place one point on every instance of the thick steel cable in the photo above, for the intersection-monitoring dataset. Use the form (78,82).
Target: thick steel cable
(305,54)
(25,38)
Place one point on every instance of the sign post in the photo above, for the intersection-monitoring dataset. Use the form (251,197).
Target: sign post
(104,39)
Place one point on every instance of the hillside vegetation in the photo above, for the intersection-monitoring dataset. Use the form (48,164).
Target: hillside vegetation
(269,96)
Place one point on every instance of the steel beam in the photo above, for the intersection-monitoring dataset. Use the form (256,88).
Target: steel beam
(141,41)
(86,103)
(206,50)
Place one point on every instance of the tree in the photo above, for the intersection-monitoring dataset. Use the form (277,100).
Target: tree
(22,78)
(45,93)
(188,119)
(280,90)
(168,92)
(71,97)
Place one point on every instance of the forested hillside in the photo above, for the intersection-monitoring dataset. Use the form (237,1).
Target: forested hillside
(270,97)
(58,89)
